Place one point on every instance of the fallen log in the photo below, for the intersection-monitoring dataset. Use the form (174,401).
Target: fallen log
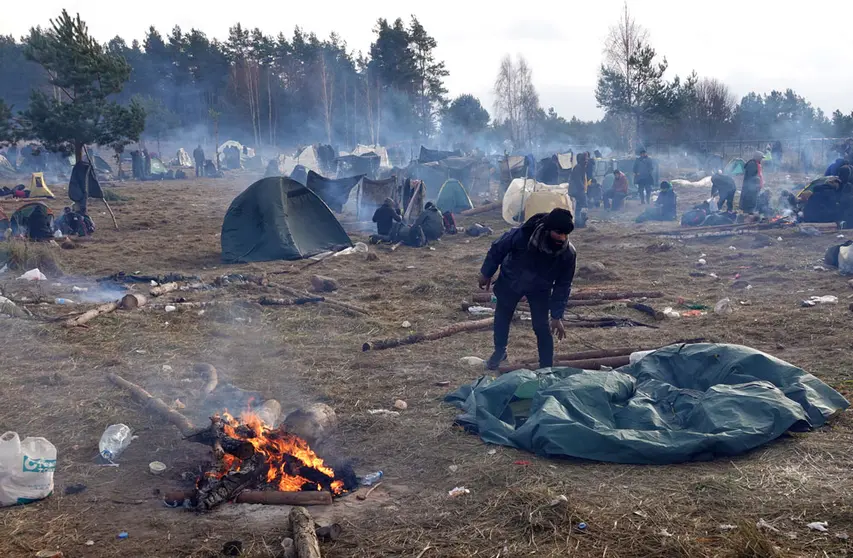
(333,303)
(607,295)
(586,364)
(597,353)
(304,533)
(155,405)
(163,289)
(209,375)
(474,325)
(268,301)
(313,423)
(268,497)
(646,309)
(85,317)
(606,322)
(524,307)
(483,209)
(132,301)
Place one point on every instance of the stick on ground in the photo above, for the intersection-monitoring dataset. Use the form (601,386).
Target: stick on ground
(155,405)
(92,314)
(475,325)
(304,533)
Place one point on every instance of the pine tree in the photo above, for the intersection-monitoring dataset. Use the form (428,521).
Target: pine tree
(86,76)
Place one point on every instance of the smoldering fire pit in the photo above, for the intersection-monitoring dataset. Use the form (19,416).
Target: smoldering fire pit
(255,463)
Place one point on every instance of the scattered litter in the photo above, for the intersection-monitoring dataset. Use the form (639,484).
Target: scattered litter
(27,466)
(114,440)
(665,533)
(732,248)
(63,301)
(825,299)
(432,249)
(779,239)
(670,313)
(724,306)
(472,361)
(702,262)
(4,269)
(401,405)
(49,554)
(702,255)
(727,527)
(522,462)
(761,524)
(745,302)
(153,283)
(170,308)
(90,543)
(33,275)
(410,267)
(819,526)
(561,499)
(807,304)
(842,536)
(641,514)
(156,467)
(582,526)
(819,268)
(840,236)
(749,287)
(123,535)
(481,311)
(443,383)
(458,491)
(453,468)
(166,369)
(492,452)
(713,275)
(406,324)
(383,412)
(76,289)
(371,478)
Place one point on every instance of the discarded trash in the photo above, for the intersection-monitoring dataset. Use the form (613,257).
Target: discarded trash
(779,239)
(842,536)
(807,303)
(114,440)
(156,467)
(713,275)
(819,268)
(732,248)
(443,383)
(840,236)
(170,308)
(480,311)
(825,299)
(693,314)
(90,543)
(561,499)
(458,491)
(33,275)
(472,361)
(26,469)
(63,301)
(819,526)
(701,263)
(724,306)
(153,283)
(166,369)
(49,554)
(522,462)
(727,527)
(371,478)
(76,289)
(401,405)
(406,324)
(453,468)
(761,524)
(383,412)
(670,313)
(582,526)
(641,513)
(123,535)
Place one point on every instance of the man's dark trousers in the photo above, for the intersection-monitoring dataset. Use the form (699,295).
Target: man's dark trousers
(507,300)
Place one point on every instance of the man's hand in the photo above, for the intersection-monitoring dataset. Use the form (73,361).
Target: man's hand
(484,282)
(558,329)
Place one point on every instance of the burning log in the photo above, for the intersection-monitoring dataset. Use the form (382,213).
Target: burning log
(229,486)
(209,375)
(475,325)
(304,533)
(91,314)
(483,209)
(313,423)
(155,405)
(163,289)
(132,301)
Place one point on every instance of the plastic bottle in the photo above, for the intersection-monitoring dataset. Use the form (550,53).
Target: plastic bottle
(114,440)
(371,478)
(63,301)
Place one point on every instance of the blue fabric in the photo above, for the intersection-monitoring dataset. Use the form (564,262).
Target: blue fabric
(530,164)
(832,170)
(529,271)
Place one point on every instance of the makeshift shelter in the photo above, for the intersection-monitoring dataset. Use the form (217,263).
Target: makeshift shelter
(334,193)
(518,194)
(358,165)
(6,168)
(20,218)
(38,188)
(735,167)
(277,218)
(299,174)
(453,197)
(78,186)
(415,199)
(158,169)
(369,194)
(434,155)
(680,403)
(543,201)
(378,150)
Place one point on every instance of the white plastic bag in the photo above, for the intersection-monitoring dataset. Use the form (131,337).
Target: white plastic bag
(33,275)
(723,306)
(26,469)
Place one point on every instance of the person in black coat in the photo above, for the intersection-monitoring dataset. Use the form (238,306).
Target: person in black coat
(385,216)
(644,176)
(724,186)
(38,224)
(431,222)
(536,261)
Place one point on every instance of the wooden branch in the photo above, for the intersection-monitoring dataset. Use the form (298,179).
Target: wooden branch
(113,215)
(155,405)
(646,309)
(606,295)
(92,314)
(483,209)
(163,289)
(346,307)
(268,301)
(597,353)
(209,375)
(304,533)
(586,364)
(475,325)
(366,494)
(132,301)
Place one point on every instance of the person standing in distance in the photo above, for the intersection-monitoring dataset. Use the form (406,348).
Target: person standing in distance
(536,261)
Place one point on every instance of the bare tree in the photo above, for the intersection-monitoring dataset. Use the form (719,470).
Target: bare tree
(516,99)
(715,106)
(327,79)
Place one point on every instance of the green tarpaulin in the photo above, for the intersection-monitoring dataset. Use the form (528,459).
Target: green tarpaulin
(680,403)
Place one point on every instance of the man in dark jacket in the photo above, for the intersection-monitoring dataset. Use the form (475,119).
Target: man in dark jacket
(537,261)
(38,224)
(644,176)
(753,180)
(431,222)
(577,182)
(724,186)
(385,216)
(667,202)
(198,157)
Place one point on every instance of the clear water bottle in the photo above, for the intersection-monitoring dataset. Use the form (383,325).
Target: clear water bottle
(371,478)
(114,440)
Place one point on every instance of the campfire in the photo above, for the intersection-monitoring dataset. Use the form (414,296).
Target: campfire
(256,463)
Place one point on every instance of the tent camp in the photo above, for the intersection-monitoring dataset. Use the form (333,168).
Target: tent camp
(279,219)
(355,165)
(299,174)
(183,159)
(680,403)
(735,167)
(158,169)
(334,193)
(6,168)
(518,194)
(20,218)
(369,194)
(318,158)
(38,188)
(433,155)
(377,150)
(543,201)
(453,197)
(77,186)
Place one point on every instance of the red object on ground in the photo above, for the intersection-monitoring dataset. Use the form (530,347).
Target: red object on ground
(522,462)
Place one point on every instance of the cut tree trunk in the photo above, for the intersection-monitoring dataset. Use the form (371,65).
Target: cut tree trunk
(483,208)
(132,301)
(304,533)
(217,492)
(155,405)
(475,325)
(163,289)
(313,423)
(92,314)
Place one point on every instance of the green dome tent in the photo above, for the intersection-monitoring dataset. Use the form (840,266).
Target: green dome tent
(453,197)
(735,167)
(277,218)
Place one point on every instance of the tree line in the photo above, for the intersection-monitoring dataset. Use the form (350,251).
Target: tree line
(284,91)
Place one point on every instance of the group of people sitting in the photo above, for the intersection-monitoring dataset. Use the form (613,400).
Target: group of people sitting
(429,226)
(40,224)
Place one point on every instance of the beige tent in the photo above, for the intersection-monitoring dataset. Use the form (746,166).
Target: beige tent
(566,160)
(544,201)
(308,158)
(518,194)
(378,149)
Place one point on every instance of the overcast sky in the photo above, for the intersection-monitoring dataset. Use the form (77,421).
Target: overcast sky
(754,46)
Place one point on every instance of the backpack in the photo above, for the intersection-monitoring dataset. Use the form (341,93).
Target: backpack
(693,218)
(449,222)
(831,256)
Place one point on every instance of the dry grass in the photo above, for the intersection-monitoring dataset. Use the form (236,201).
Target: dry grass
(23,256)
(53,384)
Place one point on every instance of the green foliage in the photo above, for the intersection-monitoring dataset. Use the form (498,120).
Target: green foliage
(7,132)
(84,76)
(465,114)
(158,120)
